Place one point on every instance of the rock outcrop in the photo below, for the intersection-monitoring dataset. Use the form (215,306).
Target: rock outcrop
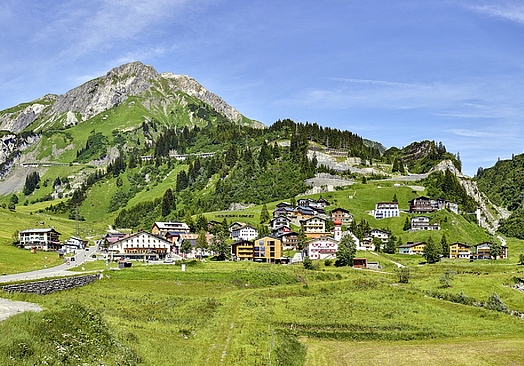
(108,91)
(192,88)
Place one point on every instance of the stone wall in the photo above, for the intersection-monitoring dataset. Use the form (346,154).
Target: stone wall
(50,286)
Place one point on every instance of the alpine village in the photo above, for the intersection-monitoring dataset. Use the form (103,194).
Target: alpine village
(177,231)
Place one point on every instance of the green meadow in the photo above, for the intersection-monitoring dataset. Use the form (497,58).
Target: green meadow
(256,314)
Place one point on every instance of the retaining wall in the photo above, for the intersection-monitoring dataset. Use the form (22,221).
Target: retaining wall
(50,286)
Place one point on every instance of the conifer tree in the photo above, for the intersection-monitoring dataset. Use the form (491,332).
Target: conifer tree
(167,202)
(445,246)
(431,251)
(407,224)
(201,242)
(264,214)
(346,251)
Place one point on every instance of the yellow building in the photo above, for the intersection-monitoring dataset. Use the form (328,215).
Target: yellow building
(412,248)
(459,250)
(243,250)
(268,249)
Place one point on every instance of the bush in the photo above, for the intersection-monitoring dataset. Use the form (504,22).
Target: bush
(289,351)
(308,263)
(495,303)
(403,274)
(447,277)
(328,262)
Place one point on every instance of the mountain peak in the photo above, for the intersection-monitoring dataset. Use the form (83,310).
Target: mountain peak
(135,68)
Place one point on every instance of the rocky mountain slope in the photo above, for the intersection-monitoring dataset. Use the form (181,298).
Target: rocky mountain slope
(125,98)
(108,91)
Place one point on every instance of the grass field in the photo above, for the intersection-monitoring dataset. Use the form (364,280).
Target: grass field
(255,314)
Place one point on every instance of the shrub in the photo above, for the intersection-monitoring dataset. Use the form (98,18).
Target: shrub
(308,263)
(403,274)
(447,277)
(495,303)
(289,351)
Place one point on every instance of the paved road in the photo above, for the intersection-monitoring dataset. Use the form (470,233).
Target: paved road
(61,270)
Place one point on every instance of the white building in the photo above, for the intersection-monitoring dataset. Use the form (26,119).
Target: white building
(44,239)
(140,245)
(246,232)
(385,210)
(323,247)
(422,223)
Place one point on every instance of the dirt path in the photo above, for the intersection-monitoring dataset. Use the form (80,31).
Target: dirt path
(9,308)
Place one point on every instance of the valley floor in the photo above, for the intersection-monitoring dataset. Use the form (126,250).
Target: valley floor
(255,314)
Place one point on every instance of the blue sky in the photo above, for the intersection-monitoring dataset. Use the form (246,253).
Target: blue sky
(390,71)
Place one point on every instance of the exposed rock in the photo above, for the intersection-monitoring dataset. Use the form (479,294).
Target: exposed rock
(108,91)
(446,165)
(191,87)
(18,121)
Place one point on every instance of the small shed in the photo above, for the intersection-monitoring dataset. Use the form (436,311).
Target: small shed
(360,263)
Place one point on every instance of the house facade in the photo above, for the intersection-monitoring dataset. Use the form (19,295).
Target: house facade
(321,248)
(412,248)
(43,239)
(385,210)
(246,232)
(314,227)
(268,249)
(459,250)
(380,234)
(422,223)
(482,251)
(279,221)
(341,214)
(140,245)
(161,228)
(289,240)
(243,250)
(424,204)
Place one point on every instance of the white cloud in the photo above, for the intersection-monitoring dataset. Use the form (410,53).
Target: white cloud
(513,12)
(478,134)
(377,82)
(80,28)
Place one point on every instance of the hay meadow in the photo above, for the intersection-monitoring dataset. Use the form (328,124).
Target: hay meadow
(234,313)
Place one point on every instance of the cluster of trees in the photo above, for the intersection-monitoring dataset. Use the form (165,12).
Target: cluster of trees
(32,181)
(513,225)
(447,186)
(95,148)
(420,157)
(503,182)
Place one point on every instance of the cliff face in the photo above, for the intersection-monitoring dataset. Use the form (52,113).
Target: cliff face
(108,91)
(192,88)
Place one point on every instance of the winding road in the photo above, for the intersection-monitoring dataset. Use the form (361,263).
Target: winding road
(62,270)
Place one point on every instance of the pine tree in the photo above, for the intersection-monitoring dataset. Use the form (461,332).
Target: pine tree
(264,214)
(445,246)
(407,224)
(346,251)
(391,247)
(201,242)
(495,250)
(186,247)
(431,251)
(167,202)
(201,223)
(220,246)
